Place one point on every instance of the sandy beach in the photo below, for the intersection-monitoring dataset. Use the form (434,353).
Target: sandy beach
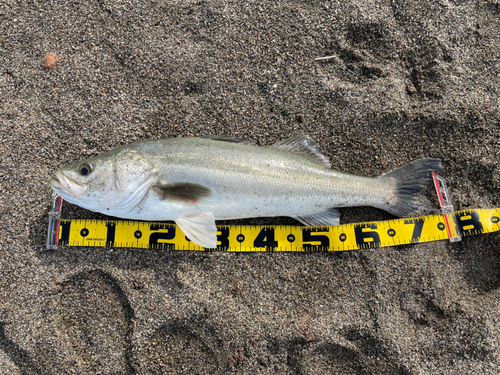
(401,80)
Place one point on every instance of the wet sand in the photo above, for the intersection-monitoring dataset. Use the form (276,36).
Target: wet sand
(403,80)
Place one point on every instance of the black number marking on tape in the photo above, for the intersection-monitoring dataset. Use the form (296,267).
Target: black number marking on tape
(265,238)
(155,237)
(308,235)
(366,238)
(223,237)
(469,223)
(64,228)
(110,234)
(417,229)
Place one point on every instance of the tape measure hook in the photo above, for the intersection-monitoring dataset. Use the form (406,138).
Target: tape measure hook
(447,208)
(54,217)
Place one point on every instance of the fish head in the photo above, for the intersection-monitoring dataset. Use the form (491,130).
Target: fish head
(114,182)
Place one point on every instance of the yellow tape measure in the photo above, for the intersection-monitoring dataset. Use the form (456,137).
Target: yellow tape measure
(250,238)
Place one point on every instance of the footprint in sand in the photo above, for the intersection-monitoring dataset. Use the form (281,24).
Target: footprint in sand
(94,319)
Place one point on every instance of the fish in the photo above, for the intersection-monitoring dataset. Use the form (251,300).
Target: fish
(196,181)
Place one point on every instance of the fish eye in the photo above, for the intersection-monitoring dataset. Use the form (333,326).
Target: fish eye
(85,169)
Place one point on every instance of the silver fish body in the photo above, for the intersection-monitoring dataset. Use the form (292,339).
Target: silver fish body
(195,181)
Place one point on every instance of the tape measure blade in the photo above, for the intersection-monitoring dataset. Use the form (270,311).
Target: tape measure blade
(251,238)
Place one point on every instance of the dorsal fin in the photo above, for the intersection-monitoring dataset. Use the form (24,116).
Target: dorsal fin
(304,146)
(223,138)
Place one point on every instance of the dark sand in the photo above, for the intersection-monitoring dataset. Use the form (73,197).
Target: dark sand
(407,79)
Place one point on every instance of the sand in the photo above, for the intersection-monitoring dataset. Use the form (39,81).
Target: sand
(403,80)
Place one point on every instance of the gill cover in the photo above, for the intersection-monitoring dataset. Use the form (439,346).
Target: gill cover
(133,175)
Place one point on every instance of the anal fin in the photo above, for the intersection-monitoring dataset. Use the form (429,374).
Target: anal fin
(324,218)
(200,229)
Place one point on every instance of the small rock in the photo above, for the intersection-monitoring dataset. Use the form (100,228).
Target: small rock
(50,60)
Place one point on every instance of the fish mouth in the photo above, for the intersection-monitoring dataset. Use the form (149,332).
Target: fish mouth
(55,184)
(62,184)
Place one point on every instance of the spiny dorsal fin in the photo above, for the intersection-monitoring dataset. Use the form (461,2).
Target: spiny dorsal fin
(223,138)
(304,146)
(183,191)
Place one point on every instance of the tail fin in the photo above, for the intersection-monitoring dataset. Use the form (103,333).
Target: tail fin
(412,182)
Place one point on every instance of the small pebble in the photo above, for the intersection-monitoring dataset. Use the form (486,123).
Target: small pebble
(50,60)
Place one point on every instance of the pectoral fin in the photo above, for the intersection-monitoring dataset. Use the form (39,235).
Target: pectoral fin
(200,229)
(183,191)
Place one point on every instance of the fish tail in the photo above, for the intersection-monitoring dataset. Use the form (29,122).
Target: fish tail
(412,183)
